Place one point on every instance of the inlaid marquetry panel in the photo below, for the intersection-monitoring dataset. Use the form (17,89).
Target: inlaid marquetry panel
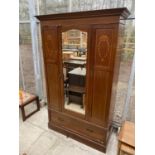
(103,47)
(102,72)
(50,44)
(52,65)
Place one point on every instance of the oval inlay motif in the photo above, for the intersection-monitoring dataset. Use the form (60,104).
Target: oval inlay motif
(103,47)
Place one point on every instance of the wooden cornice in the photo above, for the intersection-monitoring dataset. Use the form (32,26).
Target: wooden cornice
(122,12)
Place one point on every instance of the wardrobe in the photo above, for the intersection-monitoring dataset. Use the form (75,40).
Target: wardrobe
(81,52)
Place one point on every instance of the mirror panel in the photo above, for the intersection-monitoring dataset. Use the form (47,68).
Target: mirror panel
(74,56)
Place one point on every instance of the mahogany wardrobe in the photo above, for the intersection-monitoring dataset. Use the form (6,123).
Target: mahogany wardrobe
(81,53)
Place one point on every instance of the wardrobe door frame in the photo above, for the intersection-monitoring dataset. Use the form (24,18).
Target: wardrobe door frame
(85,28)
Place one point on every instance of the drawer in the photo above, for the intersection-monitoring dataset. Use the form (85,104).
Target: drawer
(80,127)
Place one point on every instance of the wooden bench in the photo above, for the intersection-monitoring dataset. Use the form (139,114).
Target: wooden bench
(25,99)
(126,139)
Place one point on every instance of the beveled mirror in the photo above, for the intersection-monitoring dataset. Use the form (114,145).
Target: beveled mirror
(74,57)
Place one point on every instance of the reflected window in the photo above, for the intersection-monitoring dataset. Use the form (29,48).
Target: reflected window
(74,55)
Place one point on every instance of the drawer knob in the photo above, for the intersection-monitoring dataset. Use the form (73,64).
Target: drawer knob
(90,130)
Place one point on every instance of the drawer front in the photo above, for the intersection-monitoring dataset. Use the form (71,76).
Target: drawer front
(80,127)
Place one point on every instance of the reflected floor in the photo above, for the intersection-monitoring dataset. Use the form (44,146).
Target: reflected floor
(74,107)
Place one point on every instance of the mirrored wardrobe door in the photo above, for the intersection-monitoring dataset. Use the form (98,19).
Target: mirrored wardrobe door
(74,58)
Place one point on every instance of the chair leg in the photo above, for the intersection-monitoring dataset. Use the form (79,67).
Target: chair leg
(23,113)
(38,104)
(83,101)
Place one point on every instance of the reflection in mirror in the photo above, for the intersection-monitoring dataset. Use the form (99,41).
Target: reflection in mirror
(74,54)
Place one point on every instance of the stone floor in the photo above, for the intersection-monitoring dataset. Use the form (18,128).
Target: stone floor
(36,139)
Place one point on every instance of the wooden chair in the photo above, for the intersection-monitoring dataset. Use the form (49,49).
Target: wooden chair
(78,90)
(126,139)
(25,99)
